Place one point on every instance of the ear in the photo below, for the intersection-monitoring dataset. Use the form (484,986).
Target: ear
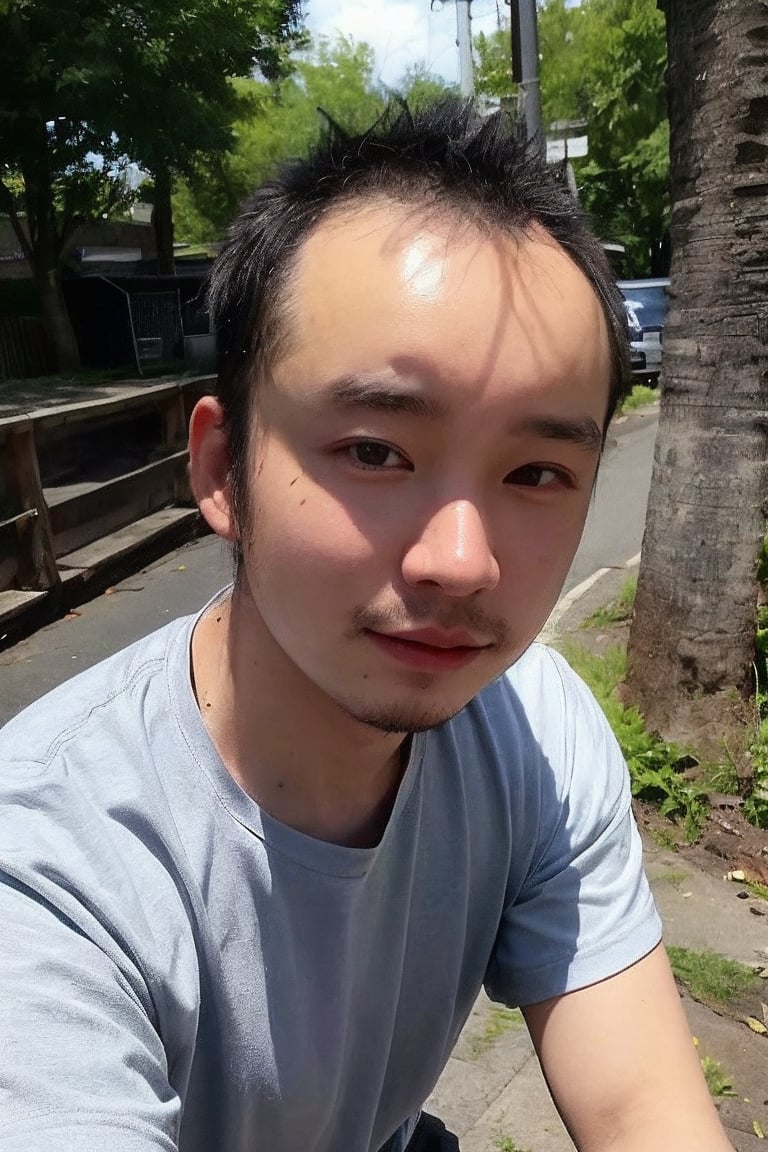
(209,467)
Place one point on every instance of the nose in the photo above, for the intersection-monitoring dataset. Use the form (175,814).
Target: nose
(453,552)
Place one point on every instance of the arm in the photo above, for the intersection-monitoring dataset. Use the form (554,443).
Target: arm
(83,1065)
(621,1065)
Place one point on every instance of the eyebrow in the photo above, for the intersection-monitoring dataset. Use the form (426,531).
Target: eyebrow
(381,396)
(583,433)
(357,392)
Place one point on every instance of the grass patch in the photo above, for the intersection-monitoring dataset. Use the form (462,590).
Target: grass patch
(718,1082)
(507,1144)
(640,397)
(663,838)
(674,876)
(654,765)
(757,889)
(616,611)
(708,976)
(500,1021)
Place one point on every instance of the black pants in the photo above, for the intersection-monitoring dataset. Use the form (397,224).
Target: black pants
(431,1135)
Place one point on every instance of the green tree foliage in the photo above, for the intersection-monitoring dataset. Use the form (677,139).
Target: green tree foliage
(179,99)
(52,64)
(334,79)
(604,62)
(84,84)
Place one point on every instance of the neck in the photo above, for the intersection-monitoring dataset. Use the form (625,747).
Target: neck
(286,743)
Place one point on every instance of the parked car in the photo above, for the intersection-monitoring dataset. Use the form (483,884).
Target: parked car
(648,301)
(636,353)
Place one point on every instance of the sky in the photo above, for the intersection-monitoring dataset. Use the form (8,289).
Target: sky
(402,31)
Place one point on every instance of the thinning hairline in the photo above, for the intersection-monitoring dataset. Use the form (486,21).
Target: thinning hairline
(280,342)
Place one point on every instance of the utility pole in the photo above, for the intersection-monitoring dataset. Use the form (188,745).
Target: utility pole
(525,67)
(464,44)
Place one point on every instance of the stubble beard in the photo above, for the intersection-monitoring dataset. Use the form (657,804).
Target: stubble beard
(399,719)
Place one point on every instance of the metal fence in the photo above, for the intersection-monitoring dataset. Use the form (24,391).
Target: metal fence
(25,349)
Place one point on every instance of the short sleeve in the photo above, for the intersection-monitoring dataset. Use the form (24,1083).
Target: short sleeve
(83,1066)
(584,910)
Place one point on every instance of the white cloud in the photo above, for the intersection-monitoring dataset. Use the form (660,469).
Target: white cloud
(402,32)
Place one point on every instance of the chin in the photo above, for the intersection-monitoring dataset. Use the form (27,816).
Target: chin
(405,717)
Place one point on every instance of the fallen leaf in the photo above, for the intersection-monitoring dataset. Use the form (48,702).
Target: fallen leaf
(757,1026)
(757,1128)
(72,615)
(110,591)
(181,568)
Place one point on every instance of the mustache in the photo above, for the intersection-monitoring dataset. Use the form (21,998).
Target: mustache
(413,614)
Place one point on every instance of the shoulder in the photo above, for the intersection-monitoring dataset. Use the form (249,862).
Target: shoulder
(94,701)
(539,732)
(541,702)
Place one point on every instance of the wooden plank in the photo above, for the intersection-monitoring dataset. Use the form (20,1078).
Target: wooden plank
(13,602)
(126,539)
(141,397)
(36,556)
(80,519)
(8,567)
(28,515)
(11,424)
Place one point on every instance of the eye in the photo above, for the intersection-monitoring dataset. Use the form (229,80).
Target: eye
(538,476)
(377,455)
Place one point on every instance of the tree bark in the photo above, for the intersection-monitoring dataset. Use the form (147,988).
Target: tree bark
(694,624)
(53,307)
(162,219)
(45,250)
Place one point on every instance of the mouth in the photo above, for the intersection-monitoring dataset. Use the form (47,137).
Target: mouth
(430,649)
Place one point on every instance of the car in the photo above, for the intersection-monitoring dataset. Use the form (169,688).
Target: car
(648,300)
(636,353)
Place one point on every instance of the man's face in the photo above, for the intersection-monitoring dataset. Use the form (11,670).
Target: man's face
(422,461)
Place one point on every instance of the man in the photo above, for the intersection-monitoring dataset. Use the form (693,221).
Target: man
(259,866)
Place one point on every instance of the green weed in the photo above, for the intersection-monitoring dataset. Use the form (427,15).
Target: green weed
(708,976)
(755,807)
(499,1021)
(653,763)
(640,397)
(718,1083)
(757,889)
(674,876)
(616,611)
(507,1144)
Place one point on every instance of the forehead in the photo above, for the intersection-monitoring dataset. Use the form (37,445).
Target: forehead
(384,285)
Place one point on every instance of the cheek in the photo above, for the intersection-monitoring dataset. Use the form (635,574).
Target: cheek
(540,548)
(304,533)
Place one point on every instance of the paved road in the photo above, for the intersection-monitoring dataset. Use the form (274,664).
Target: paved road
(187,577)
(614,529)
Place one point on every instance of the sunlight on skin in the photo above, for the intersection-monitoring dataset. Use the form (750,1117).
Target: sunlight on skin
(423,268)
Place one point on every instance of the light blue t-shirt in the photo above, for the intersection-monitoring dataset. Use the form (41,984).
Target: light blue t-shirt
(181,971)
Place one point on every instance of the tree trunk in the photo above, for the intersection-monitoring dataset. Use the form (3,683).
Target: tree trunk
(694,625)
(56,318)
(162,219)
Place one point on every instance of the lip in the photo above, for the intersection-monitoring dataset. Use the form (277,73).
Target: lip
(429,648)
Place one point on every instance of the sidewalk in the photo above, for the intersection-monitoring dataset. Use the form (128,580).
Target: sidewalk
(24,396)
(492,1093)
